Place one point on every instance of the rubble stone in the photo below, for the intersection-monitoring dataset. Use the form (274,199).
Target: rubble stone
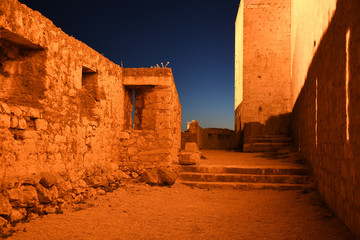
(4,121)
(14,122)
(41,124)
(150,176)
(167,176)
(16,216)
(46,195)
(31,179)
(29,195)
(3,222)
(49,179)
(22,124)
(5,206)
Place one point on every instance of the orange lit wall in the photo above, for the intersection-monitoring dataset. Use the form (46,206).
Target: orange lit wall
(263,60)
(239,27)
(326,91)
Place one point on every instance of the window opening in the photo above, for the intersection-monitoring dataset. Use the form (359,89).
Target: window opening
(133,110)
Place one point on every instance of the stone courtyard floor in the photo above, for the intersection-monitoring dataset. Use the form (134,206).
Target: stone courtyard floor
(138,211)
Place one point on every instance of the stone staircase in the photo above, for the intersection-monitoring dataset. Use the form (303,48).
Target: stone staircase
(245,178)
(267,143)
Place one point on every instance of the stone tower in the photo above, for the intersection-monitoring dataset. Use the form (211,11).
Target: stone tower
(263,64)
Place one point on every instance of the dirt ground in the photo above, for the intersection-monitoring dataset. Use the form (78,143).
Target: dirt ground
(138,211)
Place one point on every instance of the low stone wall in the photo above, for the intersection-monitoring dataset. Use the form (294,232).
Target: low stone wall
(210,138)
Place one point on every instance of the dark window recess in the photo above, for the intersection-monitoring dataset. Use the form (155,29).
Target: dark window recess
(89,83)
(90,93)
(25,84)
(139,112)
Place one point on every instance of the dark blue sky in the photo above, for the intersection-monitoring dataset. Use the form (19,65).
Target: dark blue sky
(195,36)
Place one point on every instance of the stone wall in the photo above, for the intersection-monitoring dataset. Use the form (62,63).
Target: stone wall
(210,138)
(326,73)
(263,49)
(156,136)
(65,109)
(239,38)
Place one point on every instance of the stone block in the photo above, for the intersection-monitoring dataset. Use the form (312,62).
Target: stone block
(41,124)
(14,122)
(22,124)
(16,111)
(33,135)
(191,147)
(33,112)
(189,158)
(5,108)
(5,121)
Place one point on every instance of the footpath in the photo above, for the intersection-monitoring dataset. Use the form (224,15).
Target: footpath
(139,211)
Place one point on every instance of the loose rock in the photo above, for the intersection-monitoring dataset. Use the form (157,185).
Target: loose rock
(46,195)
(150,177)
(5,206)
(16,216)
(166,176)
(49,179)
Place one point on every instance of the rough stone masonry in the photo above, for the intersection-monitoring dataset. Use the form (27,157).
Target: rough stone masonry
(302,57)
(66,117)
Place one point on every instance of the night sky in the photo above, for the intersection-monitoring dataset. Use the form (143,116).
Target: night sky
(195,36)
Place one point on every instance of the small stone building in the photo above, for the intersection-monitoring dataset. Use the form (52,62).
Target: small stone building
(65,108)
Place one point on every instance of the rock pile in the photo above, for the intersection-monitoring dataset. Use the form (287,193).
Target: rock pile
(36,195)
(160,176)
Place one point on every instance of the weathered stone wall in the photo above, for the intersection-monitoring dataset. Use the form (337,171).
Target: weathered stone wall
(156,137)
(326,73)
(210,138)
(65,109)
(264,61)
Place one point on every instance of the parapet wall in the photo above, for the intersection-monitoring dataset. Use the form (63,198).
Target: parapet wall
(66,109)
(326,126)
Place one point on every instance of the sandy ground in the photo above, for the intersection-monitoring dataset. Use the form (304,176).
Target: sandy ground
(138,211)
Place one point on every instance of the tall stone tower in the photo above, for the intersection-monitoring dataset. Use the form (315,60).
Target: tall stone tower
(263,64)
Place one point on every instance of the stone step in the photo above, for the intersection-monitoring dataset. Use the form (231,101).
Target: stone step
(264,147)
(226,177)
(271,140)
(245,186)
(271,136)
(246,170)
